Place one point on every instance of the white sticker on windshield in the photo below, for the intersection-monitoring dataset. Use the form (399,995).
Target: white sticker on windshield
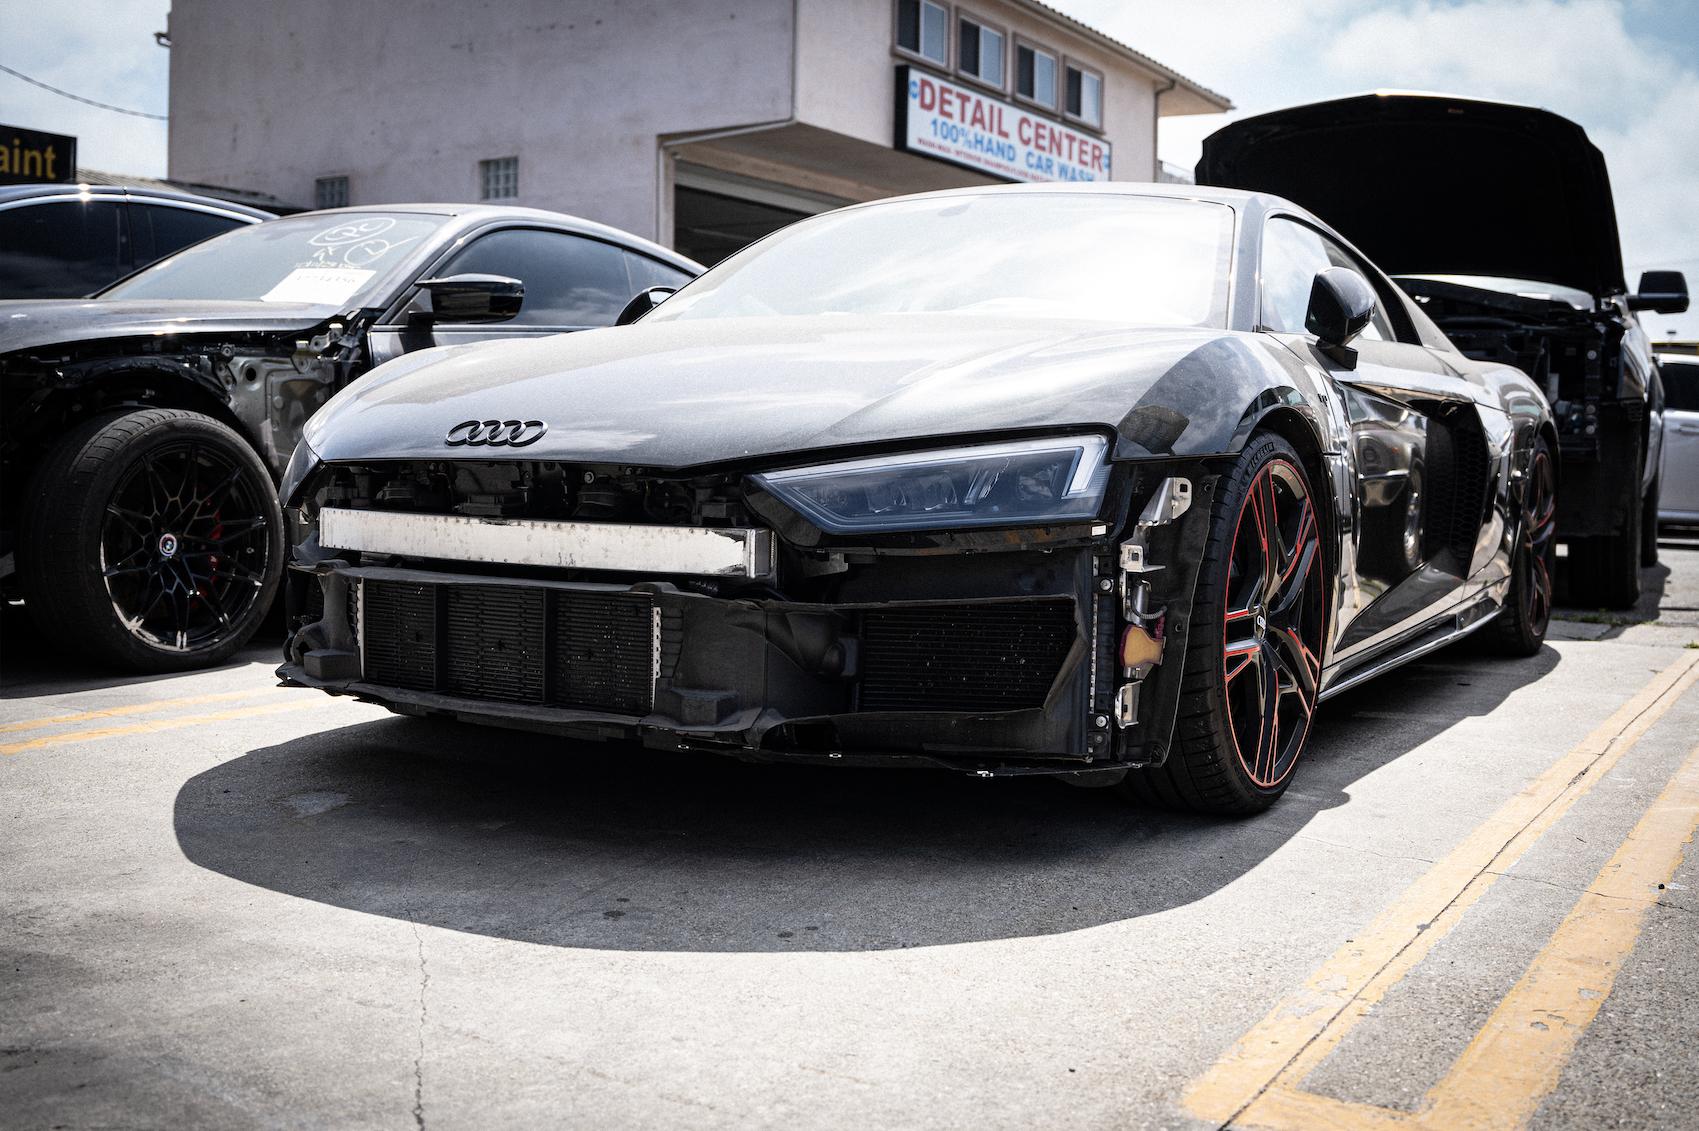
(321,285)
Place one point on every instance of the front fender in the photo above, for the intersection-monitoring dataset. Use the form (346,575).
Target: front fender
(1211,401)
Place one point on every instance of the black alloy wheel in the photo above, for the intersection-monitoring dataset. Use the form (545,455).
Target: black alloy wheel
(153,538)
(1520,629)
(1253,659)
(1271,630)
(179,548)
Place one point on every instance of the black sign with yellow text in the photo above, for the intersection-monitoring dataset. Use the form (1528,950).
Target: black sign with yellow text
(30,156)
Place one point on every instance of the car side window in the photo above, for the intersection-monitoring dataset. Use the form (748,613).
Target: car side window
(1292,253)
(63,249)
(1681,386)
(1379,327)
(569,280)
(161,229)
(646,273)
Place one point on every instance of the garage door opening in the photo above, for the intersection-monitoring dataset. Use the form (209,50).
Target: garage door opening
(708,226)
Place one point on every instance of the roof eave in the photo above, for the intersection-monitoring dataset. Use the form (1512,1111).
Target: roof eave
(1183,92)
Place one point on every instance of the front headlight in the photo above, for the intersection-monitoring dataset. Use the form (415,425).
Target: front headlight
(1022,482)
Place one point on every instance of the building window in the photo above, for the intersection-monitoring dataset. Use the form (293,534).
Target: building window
(979,52)
(498,178)
(330,192)
(1035,75)
(1085,95)
(923,28)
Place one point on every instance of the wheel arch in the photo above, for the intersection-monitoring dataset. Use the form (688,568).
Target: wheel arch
(117,384)
(1296,429)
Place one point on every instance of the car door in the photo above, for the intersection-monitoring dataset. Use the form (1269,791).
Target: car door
(1418,448)
(1679,476)
(572,282)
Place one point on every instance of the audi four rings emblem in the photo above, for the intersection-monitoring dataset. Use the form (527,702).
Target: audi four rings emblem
(495,433)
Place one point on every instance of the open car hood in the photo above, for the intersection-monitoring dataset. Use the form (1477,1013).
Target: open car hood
(1434,184)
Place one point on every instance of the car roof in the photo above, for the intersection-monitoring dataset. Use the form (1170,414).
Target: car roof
(465,217)
(13,193)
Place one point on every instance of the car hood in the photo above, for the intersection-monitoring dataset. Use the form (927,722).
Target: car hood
(1432,184)
(670,394)
(33,324)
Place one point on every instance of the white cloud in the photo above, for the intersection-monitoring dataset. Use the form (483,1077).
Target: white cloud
(103,51)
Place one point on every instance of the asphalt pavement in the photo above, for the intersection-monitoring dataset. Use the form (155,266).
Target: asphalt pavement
(227,904)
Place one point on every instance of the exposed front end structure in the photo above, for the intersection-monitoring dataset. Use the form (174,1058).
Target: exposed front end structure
(704,618)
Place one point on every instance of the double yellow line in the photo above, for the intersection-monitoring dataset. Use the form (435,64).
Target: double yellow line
(1515,1060)
(144,726)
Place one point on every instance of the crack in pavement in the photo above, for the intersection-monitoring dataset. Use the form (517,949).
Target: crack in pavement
(419,1060)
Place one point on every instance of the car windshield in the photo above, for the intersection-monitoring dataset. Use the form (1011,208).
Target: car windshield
(319,259)
(1111,258)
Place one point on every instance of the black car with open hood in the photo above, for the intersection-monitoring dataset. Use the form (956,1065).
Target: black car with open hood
(1499,220)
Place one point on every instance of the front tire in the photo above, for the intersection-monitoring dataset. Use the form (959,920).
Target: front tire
(1253,660)
(153,539)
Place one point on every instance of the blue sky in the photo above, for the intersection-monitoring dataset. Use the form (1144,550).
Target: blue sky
(1627,70)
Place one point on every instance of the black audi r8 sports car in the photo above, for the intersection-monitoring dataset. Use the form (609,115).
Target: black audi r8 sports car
(1115,481)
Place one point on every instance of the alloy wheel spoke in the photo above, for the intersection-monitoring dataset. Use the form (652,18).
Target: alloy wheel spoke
(1297,662)
(1241,654)
(1268,710)
(233,529)
(134,521)
(1291,588)
(159,495)
(207,507)
(1268,532)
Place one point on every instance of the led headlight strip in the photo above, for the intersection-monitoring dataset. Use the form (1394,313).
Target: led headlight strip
(1019,483)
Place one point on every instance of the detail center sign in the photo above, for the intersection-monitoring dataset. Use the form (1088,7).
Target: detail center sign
(942,119)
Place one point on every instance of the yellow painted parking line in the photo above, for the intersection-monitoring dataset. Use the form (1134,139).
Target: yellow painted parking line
(1515,1060)
(129,709)
(1266,1064)
(148,726)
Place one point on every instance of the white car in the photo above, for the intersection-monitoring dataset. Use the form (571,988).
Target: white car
(1679,502)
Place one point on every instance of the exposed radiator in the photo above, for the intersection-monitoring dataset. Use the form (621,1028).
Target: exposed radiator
(517,644)
(991,657)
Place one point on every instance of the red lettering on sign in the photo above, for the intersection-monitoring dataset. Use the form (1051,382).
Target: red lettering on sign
(928,95)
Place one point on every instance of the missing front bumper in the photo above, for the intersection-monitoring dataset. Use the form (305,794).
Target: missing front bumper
(994,676)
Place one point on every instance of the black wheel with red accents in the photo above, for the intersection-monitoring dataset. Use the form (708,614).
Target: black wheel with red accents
(1253,658)
(151,540)
(1520,630)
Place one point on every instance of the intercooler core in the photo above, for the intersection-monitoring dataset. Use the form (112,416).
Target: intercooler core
(556,648)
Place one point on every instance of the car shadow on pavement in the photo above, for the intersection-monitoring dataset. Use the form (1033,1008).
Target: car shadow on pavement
(33,664)
(528,838)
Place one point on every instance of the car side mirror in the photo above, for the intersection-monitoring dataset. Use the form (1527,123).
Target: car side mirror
(642,303)
(472,298)
(1662,291)
(1341,305)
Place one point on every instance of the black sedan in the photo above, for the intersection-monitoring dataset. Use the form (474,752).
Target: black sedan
(141,431)
(67,240)
(1112,481)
